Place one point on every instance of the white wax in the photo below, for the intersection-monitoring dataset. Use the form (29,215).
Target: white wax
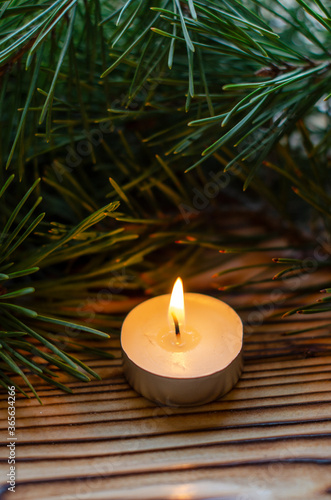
(211,342)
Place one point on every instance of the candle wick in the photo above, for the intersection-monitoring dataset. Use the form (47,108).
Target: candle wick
(176,325)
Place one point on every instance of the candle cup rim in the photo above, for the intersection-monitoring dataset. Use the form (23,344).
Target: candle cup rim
(185,294)
(199,377)
(179,392)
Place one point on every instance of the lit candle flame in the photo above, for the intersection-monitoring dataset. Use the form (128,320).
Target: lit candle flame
(176,306)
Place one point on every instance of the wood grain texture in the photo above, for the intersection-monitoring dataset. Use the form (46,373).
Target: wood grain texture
(268,439)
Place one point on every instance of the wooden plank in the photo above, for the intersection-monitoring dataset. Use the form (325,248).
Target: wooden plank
(207,455)
(172,440)
(263,480)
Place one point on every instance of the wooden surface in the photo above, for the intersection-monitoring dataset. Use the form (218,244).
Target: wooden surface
(269,438)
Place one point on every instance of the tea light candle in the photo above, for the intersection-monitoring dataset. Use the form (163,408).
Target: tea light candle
(182,350)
